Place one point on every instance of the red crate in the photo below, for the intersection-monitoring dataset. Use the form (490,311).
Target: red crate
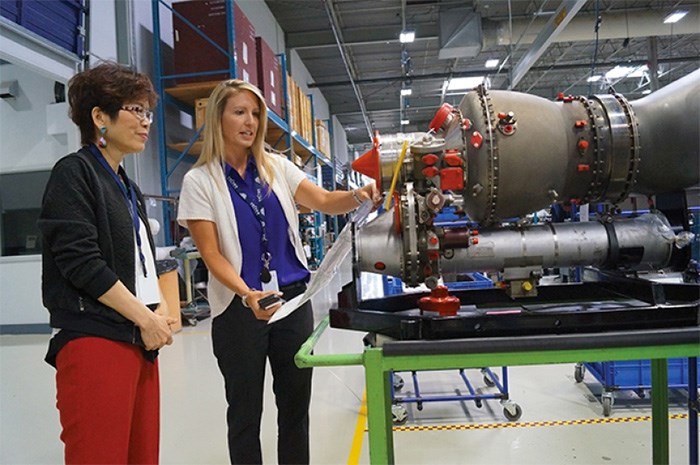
(269,76)
(193,54)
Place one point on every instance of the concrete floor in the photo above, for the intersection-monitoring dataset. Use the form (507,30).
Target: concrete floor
(550,430)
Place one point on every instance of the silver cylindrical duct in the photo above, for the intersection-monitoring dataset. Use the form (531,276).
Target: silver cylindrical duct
(669,136)
(636,244)
(525,152)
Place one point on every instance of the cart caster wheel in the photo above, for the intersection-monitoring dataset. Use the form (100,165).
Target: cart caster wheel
(397,381)
(478,403)
(579,371)
(398,414)
(512,412)
(607,402)
(487,379)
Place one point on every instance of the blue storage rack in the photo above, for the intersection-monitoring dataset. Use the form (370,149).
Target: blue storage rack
(634,375)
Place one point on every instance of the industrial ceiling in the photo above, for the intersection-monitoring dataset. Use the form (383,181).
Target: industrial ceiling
(543,47)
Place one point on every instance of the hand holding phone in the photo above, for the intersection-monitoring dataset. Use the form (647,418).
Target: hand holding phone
(269,301)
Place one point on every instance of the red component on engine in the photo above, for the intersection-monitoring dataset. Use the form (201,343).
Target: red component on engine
(430,171)
(368,163)
(429,159)
(440,301)
(441,116)
(451,179)
(477,139)
(453,159)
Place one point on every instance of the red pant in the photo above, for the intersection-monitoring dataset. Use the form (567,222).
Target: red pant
(108,397)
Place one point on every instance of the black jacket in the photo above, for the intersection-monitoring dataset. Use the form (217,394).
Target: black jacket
(88,244)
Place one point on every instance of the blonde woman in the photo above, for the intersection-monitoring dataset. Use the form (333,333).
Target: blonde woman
(239,204)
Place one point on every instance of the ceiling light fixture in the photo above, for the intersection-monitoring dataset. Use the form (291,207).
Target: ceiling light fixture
(406,91)
(492,63)
(404,122)
(619,72)
(464,83)
(675,16)
(407,36)
(595,78)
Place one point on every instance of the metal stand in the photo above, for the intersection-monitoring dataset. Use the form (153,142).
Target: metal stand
(657,345)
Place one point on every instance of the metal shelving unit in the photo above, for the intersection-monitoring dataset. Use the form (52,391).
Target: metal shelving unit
(279,135)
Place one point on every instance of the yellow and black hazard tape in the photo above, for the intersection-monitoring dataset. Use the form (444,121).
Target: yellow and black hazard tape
(529,424)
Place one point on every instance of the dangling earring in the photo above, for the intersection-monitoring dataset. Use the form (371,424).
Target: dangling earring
(101,141)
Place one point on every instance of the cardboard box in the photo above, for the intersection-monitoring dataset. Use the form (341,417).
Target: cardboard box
(269,76)
(323,141)
(194,54)
(200,111)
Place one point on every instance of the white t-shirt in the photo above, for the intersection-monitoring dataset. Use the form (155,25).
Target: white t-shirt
(147,289)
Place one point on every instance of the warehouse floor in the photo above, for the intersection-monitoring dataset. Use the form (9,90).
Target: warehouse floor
(562,421)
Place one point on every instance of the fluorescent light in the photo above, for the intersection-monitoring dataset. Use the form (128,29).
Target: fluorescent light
(492,63)
(464,83)
(619,72)
(407,36)
(595,78)
(639,72)
(404,122)
(675,16)
(406,91)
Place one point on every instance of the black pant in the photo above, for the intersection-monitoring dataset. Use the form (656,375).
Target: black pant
(241,346)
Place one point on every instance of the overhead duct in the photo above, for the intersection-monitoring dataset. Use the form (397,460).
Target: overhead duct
(581,28)
(460,33)
(9,89)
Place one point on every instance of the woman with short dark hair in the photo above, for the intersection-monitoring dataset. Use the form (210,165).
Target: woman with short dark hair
(99,280)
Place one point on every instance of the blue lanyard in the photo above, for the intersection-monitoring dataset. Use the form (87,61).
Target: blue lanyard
(129,196)
(256,205)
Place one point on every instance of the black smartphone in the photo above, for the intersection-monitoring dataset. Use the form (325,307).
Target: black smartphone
(269,301)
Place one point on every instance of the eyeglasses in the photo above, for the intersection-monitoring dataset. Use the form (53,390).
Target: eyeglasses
(140,113)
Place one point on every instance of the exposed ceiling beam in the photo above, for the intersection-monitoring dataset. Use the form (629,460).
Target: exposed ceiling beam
(348,66)
(481,72)
(556,24)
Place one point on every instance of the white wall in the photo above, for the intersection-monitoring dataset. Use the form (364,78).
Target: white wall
(26,145)
(24,140)
(20,291)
